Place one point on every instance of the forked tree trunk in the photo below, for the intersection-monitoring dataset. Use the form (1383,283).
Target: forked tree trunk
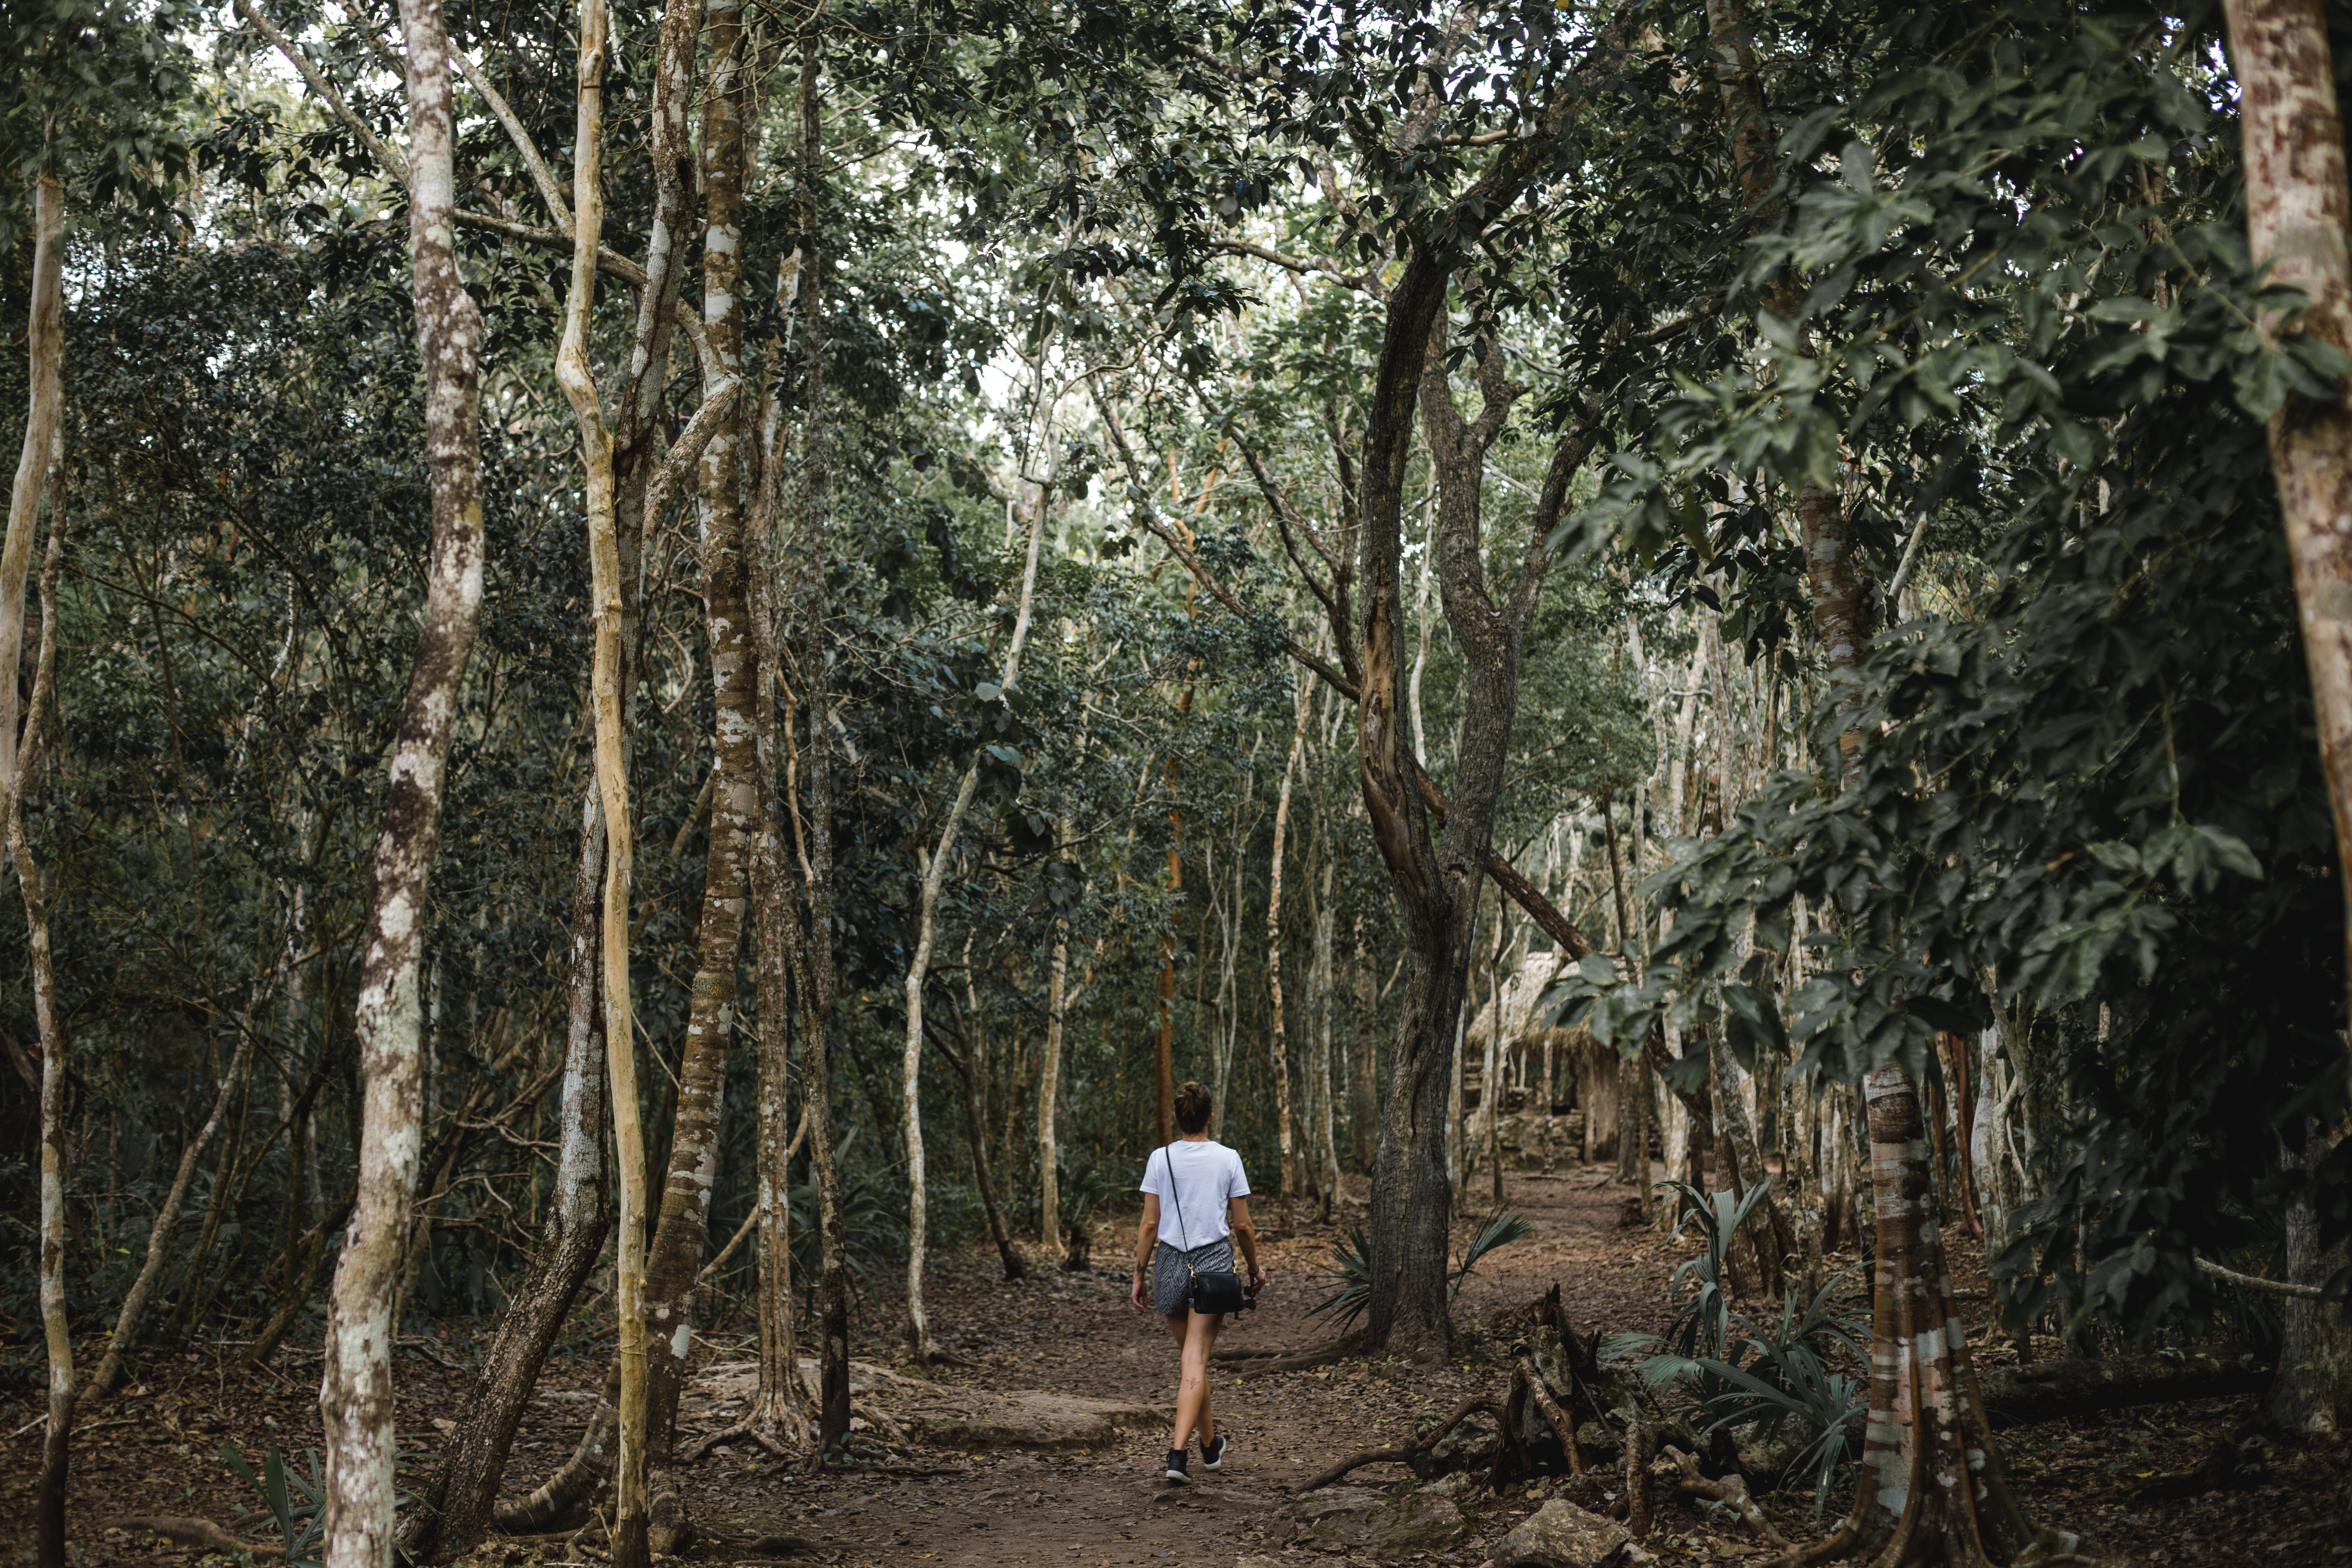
(456,1505)
(2292,137)
(356,1395)
(682,1232)
(627,464)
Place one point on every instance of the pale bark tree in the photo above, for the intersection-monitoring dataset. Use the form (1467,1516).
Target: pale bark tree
(577,377)
(49,1502)
(44,335)
(356,1396)
(2292,137)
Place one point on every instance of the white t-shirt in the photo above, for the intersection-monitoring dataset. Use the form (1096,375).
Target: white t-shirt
(1206,1174)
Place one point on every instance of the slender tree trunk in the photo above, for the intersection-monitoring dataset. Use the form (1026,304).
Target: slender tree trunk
(619,467)
(356,1396)
(782,1415)
(2292,137)
(44,342)
(1277,1040)
(966,1064)
(596,446)
(1363,1103)
(682,1230)
(1049,1089)
(816,968)
(49,1528)
(1326,1148)
(919,1331)
(167,1218)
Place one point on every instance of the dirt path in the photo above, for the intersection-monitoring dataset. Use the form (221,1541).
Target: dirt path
(1099,1502)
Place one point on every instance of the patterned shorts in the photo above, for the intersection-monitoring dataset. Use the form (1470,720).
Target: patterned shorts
(1171,1282)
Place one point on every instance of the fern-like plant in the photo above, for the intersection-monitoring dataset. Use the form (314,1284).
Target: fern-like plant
(1348,1275)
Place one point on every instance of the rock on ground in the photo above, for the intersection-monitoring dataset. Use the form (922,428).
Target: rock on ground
(1383,1524)
(1561,1535)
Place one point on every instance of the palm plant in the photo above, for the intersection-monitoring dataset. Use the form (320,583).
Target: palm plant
(295,1499)
(1348,1276)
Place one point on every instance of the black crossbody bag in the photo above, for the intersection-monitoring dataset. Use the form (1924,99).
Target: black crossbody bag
(1217,1289)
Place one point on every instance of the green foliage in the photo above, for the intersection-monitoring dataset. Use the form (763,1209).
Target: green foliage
(1347,1276)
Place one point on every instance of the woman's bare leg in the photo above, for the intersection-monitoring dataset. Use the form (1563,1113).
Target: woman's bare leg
(1196,1335)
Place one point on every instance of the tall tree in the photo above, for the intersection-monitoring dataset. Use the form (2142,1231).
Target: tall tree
(355,1394)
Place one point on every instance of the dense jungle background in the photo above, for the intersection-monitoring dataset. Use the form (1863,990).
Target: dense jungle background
(662,667)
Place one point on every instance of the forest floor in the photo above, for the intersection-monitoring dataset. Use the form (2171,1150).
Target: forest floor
(155,1448)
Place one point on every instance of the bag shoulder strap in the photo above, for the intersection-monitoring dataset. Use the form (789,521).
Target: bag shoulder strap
(1169,1159)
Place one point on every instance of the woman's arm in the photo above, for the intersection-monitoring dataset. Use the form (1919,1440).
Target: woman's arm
(1146,1234)
(1237,1211)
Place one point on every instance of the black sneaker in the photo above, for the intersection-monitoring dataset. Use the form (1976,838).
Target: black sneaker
(1177,1473)
(1212,1453)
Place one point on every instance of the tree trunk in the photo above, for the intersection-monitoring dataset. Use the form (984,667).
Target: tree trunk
(976,1129)
(780,1414)
(356,1396)
(2313,1395)
(1324,1143)
(1363,1095)
(167,1217)
(1277,1040)
(2292,137)
(816,967)
(49,1528)
(456,1506)
(682,1231)
(1932,1488)
(1049,1087)
(606,683)
(44,342)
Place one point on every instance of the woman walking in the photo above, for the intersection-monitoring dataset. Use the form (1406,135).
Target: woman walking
(1195,1206)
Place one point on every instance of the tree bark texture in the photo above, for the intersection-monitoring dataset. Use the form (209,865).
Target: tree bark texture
(45,343)
(49,1502)
(2292,137)
(2312,1395)
(1932,1488)
(606,684)
(1363,1089)
(356,1395)
(682,1231)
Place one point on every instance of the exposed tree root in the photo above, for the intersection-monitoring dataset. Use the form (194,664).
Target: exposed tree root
(1402,1452)
(744,1429)
(1731,1490)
